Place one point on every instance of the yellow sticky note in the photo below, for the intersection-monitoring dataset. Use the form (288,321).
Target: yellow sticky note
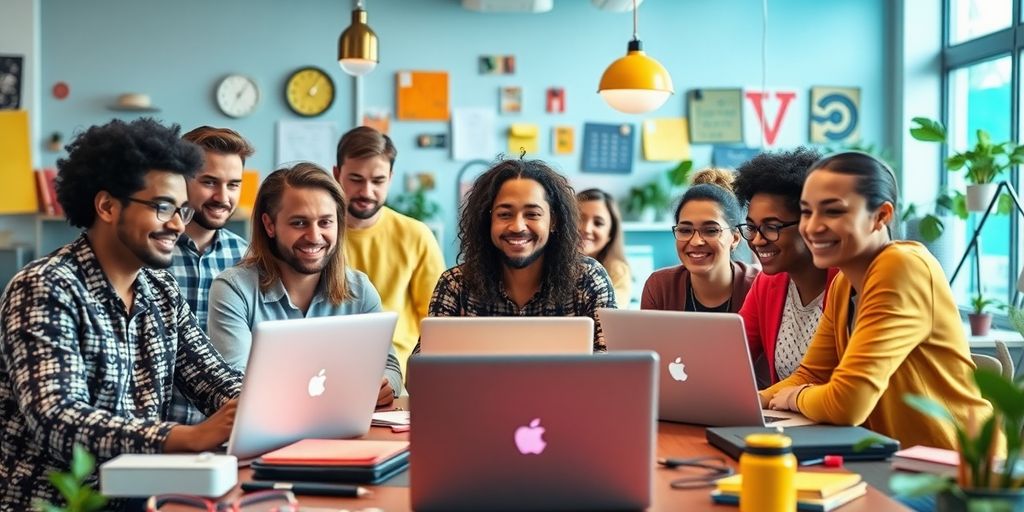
(522,136)
(564,140)
(666,139)
(18,193)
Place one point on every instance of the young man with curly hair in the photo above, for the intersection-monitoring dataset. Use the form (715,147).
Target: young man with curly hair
(520,251)
(94,336)
(785,301)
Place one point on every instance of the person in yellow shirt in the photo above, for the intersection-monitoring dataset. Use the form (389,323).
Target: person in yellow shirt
(891,326)
(398,253)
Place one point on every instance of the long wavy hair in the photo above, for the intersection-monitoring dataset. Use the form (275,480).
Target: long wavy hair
(262,254)
(482,261)
(615,249)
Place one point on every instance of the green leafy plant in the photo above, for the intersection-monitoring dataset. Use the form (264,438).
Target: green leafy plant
(981,304)
(657,193)
(976,445)
(416,204)
(78,495)
(984,162)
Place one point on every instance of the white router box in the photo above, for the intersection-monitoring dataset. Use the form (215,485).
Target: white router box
(135,475)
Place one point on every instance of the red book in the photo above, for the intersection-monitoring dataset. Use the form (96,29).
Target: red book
(336,452)
(43,194)
(51,187)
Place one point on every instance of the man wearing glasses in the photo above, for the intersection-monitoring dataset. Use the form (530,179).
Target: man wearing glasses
(785,301)
(207,247)
(94,336)
(520,247)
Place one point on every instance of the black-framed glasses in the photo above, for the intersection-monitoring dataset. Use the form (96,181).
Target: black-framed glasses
(165,210)
(769,231)
(707,233)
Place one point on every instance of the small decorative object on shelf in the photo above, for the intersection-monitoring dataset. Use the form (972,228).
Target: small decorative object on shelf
(134,102)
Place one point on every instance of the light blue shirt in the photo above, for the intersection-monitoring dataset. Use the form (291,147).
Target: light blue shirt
(237,305)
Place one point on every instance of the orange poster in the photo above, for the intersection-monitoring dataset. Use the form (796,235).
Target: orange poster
(421,96)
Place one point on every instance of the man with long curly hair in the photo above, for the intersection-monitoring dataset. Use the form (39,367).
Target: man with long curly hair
(520,251)
(94,336)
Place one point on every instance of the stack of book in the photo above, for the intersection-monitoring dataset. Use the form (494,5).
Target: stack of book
(925,459)
(357,461)
(815,492)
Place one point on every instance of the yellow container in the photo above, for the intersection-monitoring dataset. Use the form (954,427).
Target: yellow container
(769,473)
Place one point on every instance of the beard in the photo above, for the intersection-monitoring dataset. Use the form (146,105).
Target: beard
(148,256)
(521,262)
(287,255)
(208,223)
(364,214)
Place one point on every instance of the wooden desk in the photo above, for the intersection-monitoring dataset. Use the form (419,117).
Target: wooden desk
(674,440)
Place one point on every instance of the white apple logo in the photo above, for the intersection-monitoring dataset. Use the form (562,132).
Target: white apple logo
(316,384)
(677,370)
(528,439)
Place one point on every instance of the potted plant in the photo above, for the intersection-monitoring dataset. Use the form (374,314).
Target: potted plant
(980,318)
(78,495)
(651,200)
(984,162)
(416,204)
(981,484)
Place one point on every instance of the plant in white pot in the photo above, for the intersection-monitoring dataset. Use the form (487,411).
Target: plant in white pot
(984,162)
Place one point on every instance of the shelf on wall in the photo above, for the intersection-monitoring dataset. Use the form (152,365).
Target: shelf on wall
(647,226)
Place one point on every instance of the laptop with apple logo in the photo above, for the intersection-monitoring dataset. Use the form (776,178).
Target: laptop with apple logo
(310,378)
(707,377)
(532,432)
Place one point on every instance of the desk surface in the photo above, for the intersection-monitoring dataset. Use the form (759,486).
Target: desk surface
(674,440)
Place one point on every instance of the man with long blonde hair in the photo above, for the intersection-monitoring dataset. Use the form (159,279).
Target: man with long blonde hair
(293,268)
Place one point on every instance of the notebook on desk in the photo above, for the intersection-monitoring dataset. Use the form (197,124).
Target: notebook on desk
(553,432)
(706,375)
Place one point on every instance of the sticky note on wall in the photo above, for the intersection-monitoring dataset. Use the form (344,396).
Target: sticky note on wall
(522,137)
(666,139)
(18,193)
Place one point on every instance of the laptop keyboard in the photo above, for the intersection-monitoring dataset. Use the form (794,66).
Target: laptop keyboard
(772,419)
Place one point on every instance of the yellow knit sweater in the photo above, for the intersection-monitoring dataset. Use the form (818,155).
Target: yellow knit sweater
(907,338)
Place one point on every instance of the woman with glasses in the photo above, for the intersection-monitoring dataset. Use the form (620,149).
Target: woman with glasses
(891,326)
(781,311)
(601,231)
(709,279)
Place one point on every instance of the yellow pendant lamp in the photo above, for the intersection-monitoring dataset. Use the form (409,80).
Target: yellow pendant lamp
(357,46)
(636,83)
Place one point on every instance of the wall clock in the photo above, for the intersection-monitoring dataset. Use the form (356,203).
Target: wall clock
(309,91)
(237,95)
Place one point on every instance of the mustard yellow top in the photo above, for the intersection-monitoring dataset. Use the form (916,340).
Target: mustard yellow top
(622,281)
(403,261)
(907,338)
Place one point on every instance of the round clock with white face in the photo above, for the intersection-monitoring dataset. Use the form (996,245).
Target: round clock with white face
(237,95)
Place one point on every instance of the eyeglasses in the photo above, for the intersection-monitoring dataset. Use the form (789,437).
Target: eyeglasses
(704,471)
(165,210)
(769,232)
(263,501)
(707,233)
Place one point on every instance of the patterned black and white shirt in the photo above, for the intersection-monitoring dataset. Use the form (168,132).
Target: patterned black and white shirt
(76,367)
(593,290)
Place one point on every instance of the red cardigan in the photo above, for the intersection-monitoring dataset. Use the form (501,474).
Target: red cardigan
(762,313)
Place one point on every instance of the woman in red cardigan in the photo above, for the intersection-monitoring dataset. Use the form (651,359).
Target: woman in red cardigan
(785,301)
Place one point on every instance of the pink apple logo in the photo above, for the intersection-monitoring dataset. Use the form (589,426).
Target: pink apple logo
(529,440)
(316,384)
(678,370)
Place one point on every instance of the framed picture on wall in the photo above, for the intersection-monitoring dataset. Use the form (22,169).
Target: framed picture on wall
(11,67)
(835,115)
(716,116)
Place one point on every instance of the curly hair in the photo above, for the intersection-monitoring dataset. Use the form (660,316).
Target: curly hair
(481,260)
(115,158)
(780,173)
(714,184)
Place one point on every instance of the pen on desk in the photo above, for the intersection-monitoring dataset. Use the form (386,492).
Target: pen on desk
(309,488)
(829,461)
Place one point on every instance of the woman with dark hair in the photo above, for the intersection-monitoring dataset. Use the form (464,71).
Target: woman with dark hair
(601,231)
(785,301)
(891,327)
(706,234)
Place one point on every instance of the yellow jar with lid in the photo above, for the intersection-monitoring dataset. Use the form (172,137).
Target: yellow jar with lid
(769,473)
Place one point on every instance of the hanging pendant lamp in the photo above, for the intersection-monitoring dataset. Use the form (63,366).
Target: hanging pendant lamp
(636,83)
(357,46)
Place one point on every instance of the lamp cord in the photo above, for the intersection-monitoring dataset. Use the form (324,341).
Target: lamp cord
(764,67)
(635,32)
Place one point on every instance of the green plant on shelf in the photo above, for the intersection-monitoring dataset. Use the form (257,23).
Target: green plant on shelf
(656,194)
(416,204)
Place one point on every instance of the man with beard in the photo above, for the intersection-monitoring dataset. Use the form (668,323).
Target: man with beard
(293,268)
(398,253)
(207,248)
(520,248)
(94,336)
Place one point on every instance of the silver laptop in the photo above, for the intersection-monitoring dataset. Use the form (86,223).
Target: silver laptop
(507,335)
(706,373)
(310,378)
(537,432)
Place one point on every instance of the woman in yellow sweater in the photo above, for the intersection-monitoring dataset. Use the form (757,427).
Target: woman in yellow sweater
(891,326)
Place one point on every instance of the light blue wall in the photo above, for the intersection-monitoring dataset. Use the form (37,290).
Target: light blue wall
(177,51)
